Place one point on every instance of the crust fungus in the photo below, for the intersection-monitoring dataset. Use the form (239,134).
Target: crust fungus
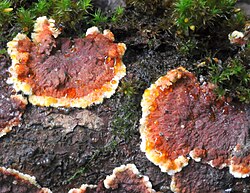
(12,105)
(13,181)
(11,111)
(69,73)
(125,178)
(201,178)
(85,188)
(183,119)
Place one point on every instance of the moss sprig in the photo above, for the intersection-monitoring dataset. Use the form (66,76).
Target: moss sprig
(6,13)
(25,19)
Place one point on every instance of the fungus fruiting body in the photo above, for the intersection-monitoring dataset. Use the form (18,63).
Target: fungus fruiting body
(69,73)
(84,189)
(201,178)
(12,105)
(125,178)
(14,181)
(12,109)
(236,37)
(182,119)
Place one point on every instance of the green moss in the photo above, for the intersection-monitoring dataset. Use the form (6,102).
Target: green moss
(99,17)
(195,15)
(118,13)
(128,88)
(6,13)
(75,16)
(188,46)
(232,79)
(41,8)
(25,19)
(202,26)
(3,51)
(125,120)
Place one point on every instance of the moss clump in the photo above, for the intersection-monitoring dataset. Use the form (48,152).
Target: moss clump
(202,26)
(232,78)
(126,119)
(195,15)
(69,13)
(73,16)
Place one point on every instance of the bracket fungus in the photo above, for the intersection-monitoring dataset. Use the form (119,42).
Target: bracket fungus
(126,179)
(182,119)
(68,73)
(14,181)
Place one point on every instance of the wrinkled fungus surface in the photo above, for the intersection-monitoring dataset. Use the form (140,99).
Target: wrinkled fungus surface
(11,106)
(201,178)
(125,179)
(66,72)
(13,181)
(183,119)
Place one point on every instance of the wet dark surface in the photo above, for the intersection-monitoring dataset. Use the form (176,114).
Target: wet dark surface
(64,148)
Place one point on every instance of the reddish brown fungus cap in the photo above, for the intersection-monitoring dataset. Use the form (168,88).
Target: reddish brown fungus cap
(125,179)
(13,181)
(183,119)
(70,73)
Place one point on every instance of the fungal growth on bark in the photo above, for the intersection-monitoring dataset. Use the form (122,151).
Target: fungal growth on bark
(12,105)
(13,181)
(198,177)
(85,188)
(64,72)
(12,109)
(125,178)
(182,119)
